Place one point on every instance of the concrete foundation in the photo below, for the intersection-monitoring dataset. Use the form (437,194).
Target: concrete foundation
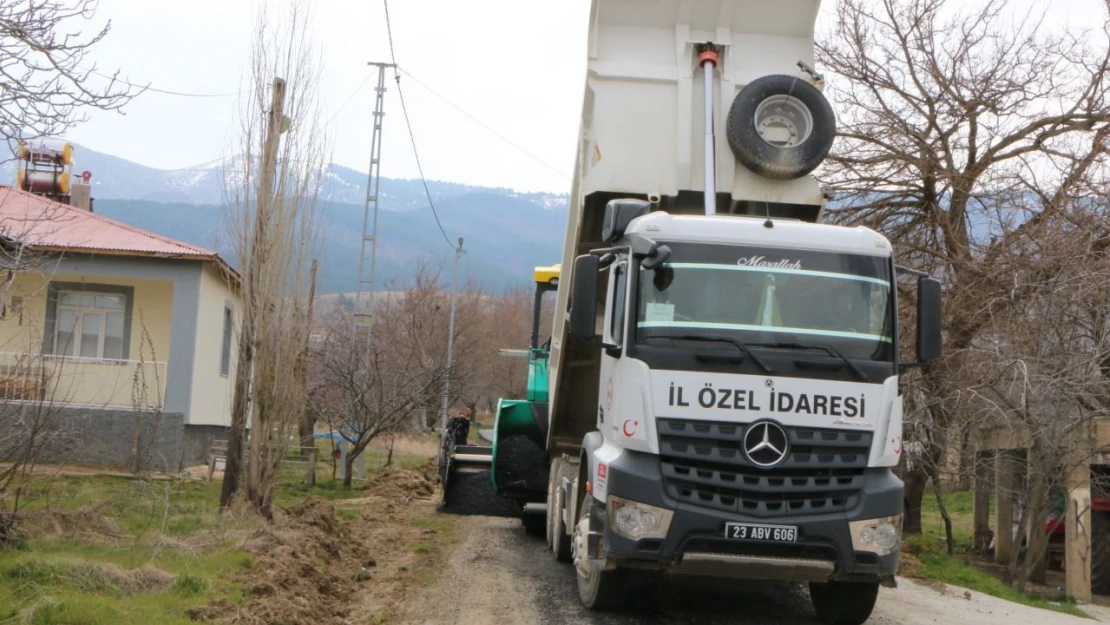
(120,439)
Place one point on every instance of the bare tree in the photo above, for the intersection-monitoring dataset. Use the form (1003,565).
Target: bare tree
(959,135)
(1040,371)
(48,83)
(364,389)
(31,395)
(273,188)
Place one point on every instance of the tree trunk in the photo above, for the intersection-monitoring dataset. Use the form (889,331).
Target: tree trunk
(233,465)
(255,459)
(1033,515)
(967,460)
(949,542)
(306,430)
(349,470)
(915,481)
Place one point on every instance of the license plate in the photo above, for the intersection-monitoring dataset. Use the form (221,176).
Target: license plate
(772,533)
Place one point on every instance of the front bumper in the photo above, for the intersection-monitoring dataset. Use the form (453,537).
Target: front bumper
(695,542)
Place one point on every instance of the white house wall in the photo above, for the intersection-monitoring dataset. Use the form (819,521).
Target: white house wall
(212,391)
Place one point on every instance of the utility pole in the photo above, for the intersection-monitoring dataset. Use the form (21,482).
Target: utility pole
(308,422)
(450,339)
(364,298)
(276,123)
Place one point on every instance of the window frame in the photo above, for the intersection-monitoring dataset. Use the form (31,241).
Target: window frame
(226,339)
(50,328)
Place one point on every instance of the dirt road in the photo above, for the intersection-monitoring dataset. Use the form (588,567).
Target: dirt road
(499,575)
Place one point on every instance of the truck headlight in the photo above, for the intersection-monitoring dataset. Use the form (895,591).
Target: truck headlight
(879,536)
(635,520)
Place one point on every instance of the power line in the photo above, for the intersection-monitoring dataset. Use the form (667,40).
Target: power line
(483,125)
(419,168)
(408,125)
(165,91)
(348,100)
(389,32)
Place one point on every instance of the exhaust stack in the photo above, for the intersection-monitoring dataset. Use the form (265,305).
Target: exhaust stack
(708,60)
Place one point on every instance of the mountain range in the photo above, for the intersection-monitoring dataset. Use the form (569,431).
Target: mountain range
(506,232)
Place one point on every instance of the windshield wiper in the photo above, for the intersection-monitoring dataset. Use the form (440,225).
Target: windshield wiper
(829,349)
(721,339)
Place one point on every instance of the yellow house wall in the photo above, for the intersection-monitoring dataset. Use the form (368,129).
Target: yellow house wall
(212,391)
(94,383)
(151,309)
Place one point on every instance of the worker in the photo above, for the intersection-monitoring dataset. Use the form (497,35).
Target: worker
(458,427)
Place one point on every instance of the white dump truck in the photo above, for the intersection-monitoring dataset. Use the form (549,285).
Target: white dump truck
(724,369)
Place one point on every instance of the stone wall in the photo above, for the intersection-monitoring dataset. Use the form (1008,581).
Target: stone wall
(113,438)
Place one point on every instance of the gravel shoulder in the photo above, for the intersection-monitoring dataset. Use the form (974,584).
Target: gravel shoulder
(499,574)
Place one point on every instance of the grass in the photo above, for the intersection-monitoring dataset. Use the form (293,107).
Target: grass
(145,551)
(937,565)
(960,570)
(423,548)
(959,506)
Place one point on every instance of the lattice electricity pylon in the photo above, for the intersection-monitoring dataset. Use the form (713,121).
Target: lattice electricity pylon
(364,300)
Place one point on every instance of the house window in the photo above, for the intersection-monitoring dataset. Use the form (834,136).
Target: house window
(90,325)
(225,352)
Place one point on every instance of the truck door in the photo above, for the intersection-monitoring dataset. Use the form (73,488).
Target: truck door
(613,340)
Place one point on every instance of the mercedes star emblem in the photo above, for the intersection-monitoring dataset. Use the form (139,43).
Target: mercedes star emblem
(766,444)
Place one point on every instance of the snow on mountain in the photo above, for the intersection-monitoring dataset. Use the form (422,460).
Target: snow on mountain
(120,179)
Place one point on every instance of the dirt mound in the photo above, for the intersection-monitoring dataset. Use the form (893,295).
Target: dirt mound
(144,579)
(86,523)
(406,484)
(93,577)
(304,570)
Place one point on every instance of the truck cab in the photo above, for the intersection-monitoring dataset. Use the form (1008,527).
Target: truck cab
(749,414)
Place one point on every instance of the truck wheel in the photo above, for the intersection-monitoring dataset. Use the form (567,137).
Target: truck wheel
(844,603)
(598,589)
(533,525)
(1100,552)
(780,127)
(558,540)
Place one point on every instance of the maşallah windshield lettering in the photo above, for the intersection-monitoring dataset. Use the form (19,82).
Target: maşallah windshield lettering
(761,261)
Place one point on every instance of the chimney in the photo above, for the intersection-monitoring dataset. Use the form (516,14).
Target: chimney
(80,196)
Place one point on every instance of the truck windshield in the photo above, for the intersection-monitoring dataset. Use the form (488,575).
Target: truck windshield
(770,295)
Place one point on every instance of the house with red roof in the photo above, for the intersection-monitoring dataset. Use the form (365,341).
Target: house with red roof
(126,335)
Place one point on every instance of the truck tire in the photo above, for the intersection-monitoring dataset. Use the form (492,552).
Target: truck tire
(1100,552)
(843,603)
(598,589)
(559,539)
(780,127)
(533,525)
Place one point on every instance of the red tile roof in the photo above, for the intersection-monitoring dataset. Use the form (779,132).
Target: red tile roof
(49,225)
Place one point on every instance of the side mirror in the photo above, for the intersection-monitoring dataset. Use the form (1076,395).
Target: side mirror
(928,320)
(583,297)
(618,214)
(661,255)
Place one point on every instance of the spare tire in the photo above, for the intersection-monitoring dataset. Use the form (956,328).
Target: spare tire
(780,127)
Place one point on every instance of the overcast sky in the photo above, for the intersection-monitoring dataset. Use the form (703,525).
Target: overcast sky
(516,65)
